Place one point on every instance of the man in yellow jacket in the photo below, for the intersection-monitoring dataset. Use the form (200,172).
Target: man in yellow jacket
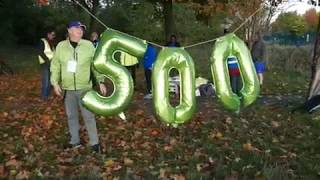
(71,69)
(45,54)
(130,62)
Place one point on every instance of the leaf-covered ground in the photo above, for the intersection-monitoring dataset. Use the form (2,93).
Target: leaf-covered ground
(264,141)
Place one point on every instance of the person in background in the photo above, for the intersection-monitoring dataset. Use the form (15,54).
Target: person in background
(70,71)
(130,62)
(173,41)
(94,38)
(234,72)
(148,60)
(45,54)
(258,56)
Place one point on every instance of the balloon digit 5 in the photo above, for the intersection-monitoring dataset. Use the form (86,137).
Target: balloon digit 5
(104,62)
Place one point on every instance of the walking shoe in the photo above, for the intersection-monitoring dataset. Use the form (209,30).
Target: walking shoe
(148,96)
(96,148)
(72,146)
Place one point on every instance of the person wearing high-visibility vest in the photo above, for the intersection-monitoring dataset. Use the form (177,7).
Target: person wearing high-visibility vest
(45,54)
(130,62)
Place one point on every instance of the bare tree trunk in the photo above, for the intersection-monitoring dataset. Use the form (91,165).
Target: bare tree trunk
(313,86)
(94,10)
(168,18)
(315,55)
(92,6)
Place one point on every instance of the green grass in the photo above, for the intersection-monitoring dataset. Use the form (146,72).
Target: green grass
(280,82)
(22,59)
(290,151)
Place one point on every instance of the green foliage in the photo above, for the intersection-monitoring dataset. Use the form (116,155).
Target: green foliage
(192,30)
(20,59)
(289,57)
(115,17)
(290,22)
(138,19)
(10,17)
(25,22)
(147,23)
(143,20)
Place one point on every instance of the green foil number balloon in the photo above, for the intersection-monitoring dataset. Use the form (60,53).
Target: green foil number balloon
(179,59)
(231,45)
(105,63)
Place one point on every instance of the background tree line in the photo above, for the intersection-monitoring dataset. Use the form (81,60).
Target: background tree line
(25,21)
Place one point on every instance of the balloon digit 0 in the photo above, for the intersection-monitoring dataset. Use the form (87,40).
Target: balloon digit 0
(104,62)
(224,47)
(167,59)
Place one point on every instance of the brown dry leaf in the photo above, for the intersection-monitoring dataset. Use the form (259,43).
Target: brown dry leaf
(146,145)
(177,177)
(107,177)
(109,163)
(127,162)
(173,141)
(199,167)
(292,155)
(23,175)
(2,171)
(10,98)
(139,112)
(46,121)
(248,147)
(25,150)
(116,167)
(162,173)
(275,124)
(27,131)
(154,132)
(30,147)
(275,140)
(217,135)
(228,120)
(168,148)
(12,162)
(13,172)
(5,114)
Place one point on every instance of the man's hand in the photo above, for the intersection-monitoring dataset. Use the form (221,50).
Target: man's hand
(57,90)
(103,89)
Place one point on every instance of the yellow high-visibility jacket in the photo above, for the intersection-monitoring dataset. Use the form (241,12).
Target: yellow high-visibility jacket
(47,51)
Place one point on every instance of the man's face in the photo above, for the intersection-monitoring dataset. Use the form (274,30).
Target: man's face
(173,39)
(75,32)
(94,36)
(51,35)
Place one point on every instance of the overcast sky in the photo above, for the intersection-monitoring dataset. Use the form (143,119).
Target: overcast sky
(300,6)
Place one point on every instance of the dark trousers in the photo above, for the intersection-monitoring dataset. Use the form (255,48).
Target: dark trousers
(45,81)
(148,75)
(236,84)
(132,70)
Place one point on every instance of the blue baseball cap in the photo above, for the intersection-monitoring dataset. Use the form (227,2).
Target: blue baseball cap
(76,24)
